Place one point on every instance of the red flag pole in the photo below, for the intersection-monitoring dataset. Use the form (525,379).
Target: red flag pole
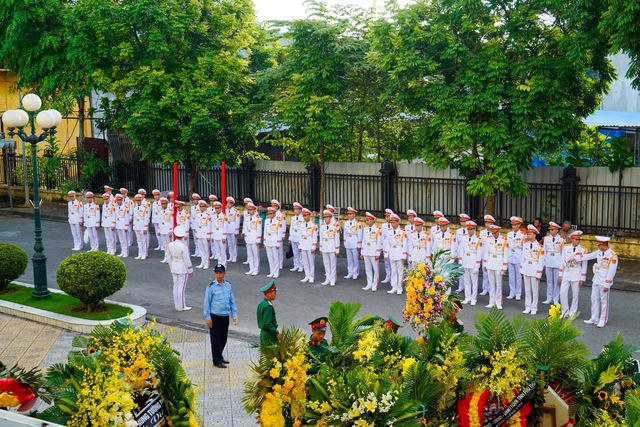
(223,184)
(175,193)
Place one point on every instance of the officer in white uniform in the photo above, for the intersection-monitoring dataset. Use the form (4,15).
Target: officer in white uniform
(184,219)
(443,240)
(194,211)
(411,222)
(384,228)
(252,233)
(165,225)
(371,250)
(484,234)
(436,218)
(202,221)
(156,218)
(147,204)
(129,204)
(531,269)
(245,214)
(219,233)
(418,244)
(294,237)
(272,239)
(307,246)
(122,225)
(74,208)
(352,237)
(108,221)
(552,245)
(396,253)
(573,273)
(91,220)
(181,268)
(233,228)
(495,264)
(212,211)
(604,270)
(282,217)
(141,217)
(470,247)
(109,191)
(460,234)
(516,239)
(329,247)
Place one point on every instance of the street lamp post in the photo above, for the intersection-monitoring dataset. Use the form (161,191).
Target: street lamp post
(48,120)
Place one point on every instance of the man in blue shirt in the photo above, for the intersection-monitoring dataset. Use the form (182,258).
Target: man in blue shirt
(219,304)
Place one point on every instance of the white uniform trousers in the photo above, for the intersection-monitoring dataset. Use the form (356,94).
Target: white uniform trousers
(221,252)
(471,287)
(387,270)
(203,252)
(123,238)
(76,232)
(553,288)
(281,256)
(495,287)
(329,260)
(253,255)
(196,252)
(564,296)
(212,252)
(130,234)
(372,269)
(274,261)
(232,244)
(599,304)
(397,267)
(110,239)
(142,238)
(93,238)
(461,284)
(156,227)
(297,256)
(515,280)
(353,263)
(166,239)
(309,264)
(485,282)
(179,285)
(531,288)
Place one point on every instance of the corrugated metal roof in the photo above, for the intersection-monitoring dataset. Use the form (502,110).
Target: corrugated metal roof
(608,118)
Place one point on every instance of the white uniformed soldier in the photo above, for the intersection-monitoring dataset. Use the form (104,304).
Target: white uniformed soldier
(516,239)
(436,218)
(371,250)
(294,237)
(91,220)
(252,230)
(219,233)
(129,204)
(194,211)
(272,240)
(166,225)
(147,204)
(181,268)
(156,218)
(184,219)
(484,234)
(411,222)
(307,246)
(109,191)
(212,211)
(470,255)
(418,244)
(384,229)
(74,210)
(531,264)
(604,270)
(495,264)
(108,221)
(233,228)
(245,215)
(443,239)
(202,221)
(396,253)
(122,225)
(352,236)
(336,219)
(573,273)
(460,233)
(141,217)
(329,247)
(552,244)
(282,217)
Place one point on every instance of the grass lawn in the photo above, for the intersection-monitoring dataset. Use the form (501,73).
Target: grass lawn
(62,304)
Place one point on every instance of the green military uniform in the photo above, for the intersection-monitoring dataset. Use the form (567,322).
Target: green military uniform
(318,350)
(452,318)
(267,319)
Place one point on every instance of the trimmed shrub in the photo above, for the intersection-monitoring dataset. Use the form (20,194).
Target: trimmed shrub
(13,263)
(91,276)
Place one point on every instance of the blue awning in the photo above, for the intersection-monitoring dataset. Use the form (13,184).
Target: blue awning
(616,119)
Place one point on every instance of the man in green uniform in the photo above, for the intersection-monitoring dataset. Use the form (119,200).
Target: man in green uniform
(452,315)
(318,345)
(392,325)
(267,322)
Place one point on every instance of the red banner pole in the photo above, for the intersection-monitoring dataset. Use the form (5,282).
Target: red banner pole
(223,184)
(175,193)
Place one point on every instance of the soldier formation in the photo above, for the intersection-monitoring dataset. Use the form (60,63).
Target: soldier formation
(522,254)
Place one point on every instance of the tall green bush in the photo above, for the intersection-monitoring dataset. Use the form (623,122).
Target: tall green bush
(91,276)
(13,263)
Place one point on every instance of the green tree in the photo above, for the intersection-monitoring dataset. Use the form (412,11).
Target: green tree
(178,70)
(621,22)
(494,82)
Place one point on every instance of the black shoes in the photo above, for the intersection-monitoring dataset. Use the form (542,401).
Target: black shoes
(220,365)
(226,362)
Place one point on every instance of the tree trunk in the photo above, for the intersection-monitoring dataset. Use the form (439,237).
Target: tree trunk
(360,142)
(192,176)
(322,203)
(490,205)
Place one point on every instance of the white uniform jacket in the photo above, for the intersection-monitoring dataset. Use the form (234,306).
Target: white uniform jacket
(573,268)
(532,259)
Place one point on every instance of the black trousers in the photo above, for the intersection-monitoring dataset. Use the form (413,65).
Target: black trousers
(218,333)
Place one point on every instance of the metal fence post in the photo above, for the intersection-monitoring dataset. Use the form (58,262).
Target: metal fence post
(389,173)
(314,185)
(569,194)
(247,177)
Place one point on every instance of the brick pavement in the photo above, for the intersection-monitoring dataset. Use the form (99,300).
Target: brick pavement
(32,344)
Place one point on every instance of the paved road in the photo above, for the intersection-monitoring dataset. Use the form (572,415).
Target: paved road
(149,285)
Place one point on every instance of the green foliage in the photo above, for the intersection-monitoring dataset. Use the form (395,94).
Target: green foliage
(13,263)
(619,20)
(91,276)
(92,165)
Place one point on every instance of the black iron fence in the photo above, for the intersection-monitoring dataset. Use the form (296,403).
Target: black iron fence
(593,208)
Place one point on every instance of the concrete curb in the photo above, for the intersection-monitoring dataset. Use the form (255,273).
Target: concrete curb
(67,322)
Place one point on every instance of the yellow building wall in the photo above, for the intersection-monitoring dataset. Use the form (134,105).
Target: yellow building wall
(67,132)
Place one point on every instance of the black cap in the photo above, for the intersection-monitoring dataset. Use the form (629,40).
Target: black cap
(219,267)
